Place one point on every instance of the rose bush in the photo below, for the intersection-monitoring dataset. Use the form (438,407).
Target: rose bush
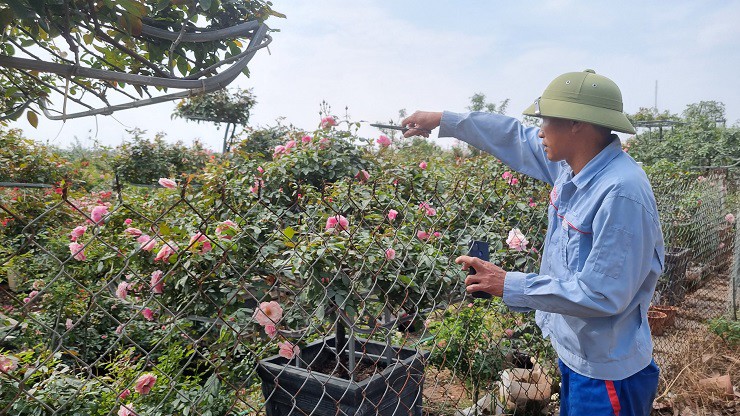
(193,282)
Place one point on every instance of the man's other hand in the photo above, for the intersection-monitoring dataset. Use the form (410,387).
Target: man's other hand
(488,277)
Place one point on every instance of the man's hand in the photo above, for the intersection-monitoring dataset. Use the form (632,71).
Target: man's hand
(488,277)
(421,123)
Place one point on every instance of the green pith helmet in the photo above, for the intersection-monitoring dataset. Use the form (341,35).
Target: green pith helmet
(583,96)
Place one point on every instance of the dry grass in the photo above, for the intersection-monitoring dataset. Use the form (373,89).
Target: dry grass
(689,352)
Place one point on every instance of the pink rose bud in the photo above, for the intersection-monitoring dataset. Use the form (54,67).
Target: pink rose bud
(78,232)
(270,330)
(288,350)
(145,383)
(327,122)
(423,165)
(98,213)
(148,314)
(392,214)
(390,254)
(384,141)
(306,139)
(128,221)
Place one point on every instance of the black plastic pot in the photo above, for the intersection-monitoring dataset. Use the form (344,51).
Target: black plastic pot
(672,285)
(396,390)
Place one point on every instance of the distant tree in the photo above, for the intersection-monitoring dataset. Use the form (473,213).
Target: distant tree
(219,107)
(701,138)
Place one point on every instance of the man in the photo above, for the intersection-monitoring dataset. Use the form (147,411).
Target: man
(604,247)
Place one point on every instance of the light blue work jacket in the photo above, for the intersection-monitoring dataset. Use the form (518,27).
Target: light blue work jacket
(603,250)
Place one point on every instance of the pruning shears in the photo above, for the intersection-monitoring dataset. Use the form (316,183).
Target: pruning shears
(403,129)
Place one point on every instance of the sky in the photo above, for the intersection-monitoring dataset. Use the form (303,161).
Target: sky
(374,58)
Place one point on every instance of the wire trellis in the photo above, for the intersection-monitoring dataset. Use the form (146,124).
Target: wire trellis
(252,296)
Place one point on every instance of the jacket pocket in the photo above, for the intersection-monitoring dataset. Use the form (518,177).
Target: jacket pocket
(614,244)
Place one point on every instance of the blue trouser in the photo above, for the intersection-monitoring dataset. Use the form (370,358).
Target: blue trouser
(633,396)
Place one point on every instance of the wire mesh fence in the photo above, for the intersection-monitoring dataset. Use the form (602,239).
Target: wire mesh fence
(273,291)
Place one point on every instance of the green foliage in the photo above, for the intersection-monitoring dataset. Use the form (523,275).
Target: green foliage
(260,142)
(217,107)
(468,342)
(24,160)
(108,35)
(727,329)
(142,161)
(701,138)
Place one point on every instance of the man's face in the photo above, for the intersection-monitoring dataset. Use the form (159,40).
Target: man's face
(556,138)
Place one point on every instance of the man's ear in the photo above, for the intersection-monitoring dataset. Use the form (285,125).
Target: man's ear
(576,126)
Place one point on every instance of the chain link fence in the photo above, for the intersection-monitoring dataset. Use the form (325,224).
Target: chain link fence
(252,294)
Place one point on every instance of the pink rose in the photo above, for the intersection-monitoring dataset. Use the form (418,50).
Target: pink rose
(157,282)
(390,254)
(78,232)
(428,208)
(148,314)
(423,165)
(98,213)
(128,221)
(306,139)
(532,203)
(133,232)
(260,169)
(437,234)
(68,324)
(328,121)
(384,141)
(279,150)
(362,176)
(167,183)
(124,394)
(122,290)
(165,252)
(145,383)
(288,350)
(268,313)
(126,410)
(258,184)
(340,220)
(226,230)
(323,142)
(509,332)
(730,218)
(30,297)
(506,175)
(6,364)
(78,251)
(119,329)
(199,238)
(422,235)
(270,330)
(289,145)
(516,240)
(392,214)
(146,243)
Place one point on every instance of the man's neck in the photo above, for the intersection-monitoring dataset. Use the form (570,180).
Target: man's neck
(586,154)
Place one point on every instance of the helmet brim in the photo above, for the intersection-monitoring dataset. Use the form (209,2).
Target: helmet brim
(615,120)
